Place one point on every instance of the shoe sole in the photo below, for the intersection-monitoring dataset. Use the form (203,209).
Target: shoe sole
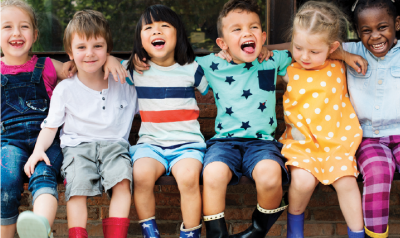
(31,226)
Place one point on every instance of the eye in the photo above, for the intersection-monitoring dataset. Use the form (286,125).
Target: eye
(254,27)
(25,26)
(81,47)
(297,48)
(7,26)
(314,52)
(165,25)
(236,29)
(98,46)
(382,28)
(147,28)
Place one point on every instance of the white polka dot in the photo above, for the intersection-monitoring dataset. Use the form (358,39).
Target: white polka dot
(315,136)
(296,77)
(293,65)
(338,80)
(330,134)
(327,117)
(338,147)
(351,158)
(308,120)
(299,124)
(302,142)
(302,91)
(287,113)
(341,97)
(342,87)
(295,163)
(294,157)
(280,138)
(347,154)
(313,158)
(338,158)
(316,170)
(333,90)
(294,103)
(288,146)
(315,95)
(343,104)
(327,158)
(323,84)
(320,159)
(328,138)
(308,150)
(317,111)
(317,145)
(300,116)
(352,115)
(331,169)
(352,143)
(327,149)
(329,73)
(309,80)
(344,138)
(336,107)
(338,124)
(322,170)
(306,105)
(347,95)
(319,128)
(325,181)
(342,70)
(326,100)
(333,65)
(306,161)
(287,100)
(344,168)
(348,128)
(357,135)
(289,88)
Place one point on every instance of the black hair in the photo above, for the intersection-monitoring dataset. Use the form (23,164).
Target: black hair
(392,8)
(184,53)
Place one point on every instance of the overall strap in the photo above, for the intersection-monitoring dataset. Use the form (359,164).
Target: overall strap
(37,72)
(4,80)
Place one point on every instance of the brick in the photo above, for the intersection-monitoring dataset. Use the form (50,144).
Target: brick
(97,201)
(61,198)
(321,200)
(61,187)
(132,214)
(394,213)
(328,214)
(169,213)
(207,126)
(60,229)
(233,199)
(326,189)
(208,98)
(394,229)
(242,189)
(208,110)
(394,199)
(276,230)
(318,230)
(341,229)
(250,199)
(26,199)
(168,199)
(61,213)
(239,227)
(242,213)
(94,229)
(169,189)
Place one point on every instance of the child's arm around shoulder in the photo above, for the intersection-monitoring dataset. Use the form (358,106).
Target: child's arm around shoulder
(357,62)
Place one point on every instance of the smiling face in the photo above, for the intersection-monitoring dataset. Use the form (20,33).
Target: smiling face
(242,37)
(89,55)
(377,30)
(311,50)
(17,35)
(159,41)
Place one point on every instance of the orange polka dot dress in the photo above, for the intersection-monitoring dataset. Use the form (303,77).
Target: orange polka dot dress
(322,130)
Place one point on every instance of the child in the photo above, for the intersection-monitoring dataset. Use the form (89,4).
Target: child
(322,131)
(96,115)
(375,97)
(170,138)
(27,84)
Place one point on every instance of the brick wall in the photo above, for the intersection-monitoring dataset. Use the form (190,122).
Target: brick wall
(323,215)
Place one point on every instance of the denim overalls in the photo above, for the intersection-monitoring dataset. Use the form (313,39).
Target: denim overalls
(24,105)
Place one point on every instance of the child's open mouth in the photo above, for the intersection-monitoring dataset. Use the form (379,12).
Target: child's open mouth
(379,47)
(249,47)
(158,43)
(17,43)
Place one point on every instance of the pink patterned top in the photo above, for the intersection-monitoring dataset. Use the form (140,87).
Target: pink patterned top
(49,72)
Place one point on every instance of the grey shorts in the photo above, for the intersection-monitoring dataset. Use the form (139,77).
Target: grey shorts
(89,168)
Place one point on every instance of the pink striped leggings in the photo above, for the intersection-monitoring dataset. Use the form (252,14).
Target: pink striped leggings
(377,159)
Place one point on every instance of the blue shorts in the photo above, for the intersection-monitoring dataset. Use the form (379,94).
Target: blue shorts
(168,156)
(242,155)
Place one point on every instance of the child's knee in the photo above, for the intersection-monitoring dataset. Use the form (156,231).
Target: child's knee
(124,185)
(216,174)
(188,180)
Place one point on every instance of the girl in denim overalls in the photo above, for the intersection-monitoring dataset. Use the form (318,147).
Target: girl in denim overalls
(27,83)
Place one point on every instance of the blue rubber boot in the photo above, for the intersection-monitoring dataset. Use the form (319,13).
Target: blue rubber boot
(194,232)
(352,234)
(149,228)
(295,225)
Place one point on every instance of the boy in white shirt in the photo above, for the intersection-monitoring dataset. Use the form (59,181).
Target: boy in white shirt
(96,115)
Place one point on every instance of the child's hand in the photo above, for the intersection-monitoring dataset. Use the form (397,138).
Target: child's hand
(265,54)
(114,66)
(357,62)
(29,167)
(224,55)
(69,69)
(140,65)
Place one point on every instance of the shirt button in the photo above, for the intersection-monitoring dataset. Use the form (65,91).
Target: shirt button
(104,108)
(376,107)
(104,98)
(376,132)
(45,121)
(380,82)
(100,92)
(382,58)
(122,106)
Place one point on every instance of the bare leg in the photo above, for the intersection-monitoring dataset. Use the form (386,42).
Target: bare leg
(268,177)
(187,175)
(300,190)
(121,199)
(350,202)
(46,205)
(145,173)
(77,212)
(216,177)
(8,231)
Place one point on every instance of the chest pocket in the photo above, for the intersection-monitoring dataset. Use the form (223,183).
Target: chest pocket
(18,95)
(395,71)
(266,80)
(357,80)
(121,107)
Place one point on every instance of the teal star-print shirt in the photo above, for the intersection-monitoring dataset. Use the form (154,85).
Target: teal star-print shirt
(245,94)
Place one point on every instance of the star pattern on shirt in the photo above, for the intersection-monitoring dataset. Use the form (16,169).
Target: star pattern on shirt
(246,93)
(271,121)
(262,106)
(229,79)
(259,135)
(216,96)
(214,66)
(289,55)
(229,111)
(248,66)
(230,135)
(245,125)
(146,225)
(220,126)
(271,58)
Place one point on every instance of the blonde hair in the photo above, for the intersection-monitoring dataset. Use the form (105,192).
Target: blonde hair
(25,7)
(87,23)
(321,18)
